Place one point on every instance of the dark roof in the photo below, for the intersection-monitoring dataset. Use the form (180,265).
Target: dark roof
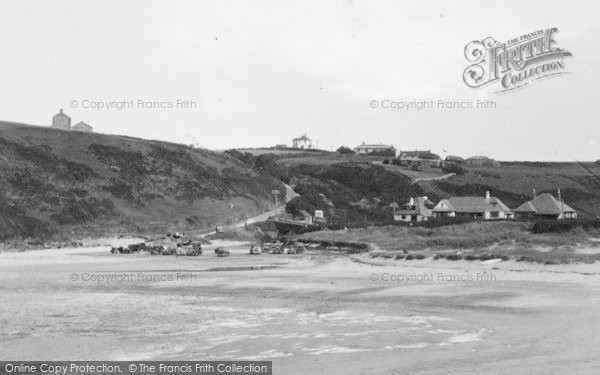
(454,158)
(375,146)
(472,205)
(420,207)
(420,154)
(544,204)
(303,138)
(60,114)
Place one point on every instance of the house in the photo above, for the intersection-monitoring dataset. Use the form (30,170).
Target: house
(482,161)
(375,149)
(82,127)
(61,121)
(302,142)
(545,206)
(415,210)
(408,158)
(482,208)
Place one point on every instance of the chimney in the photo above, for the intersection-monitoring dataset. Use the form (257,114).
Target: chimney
(534,194)
(559,195)
(487,195)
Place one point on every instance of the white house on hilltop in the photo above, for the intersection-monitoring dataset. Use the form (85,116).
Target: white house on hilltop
(366,149)
(302,142)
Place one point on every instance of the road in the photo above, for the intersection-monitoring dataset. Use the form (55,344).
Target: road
(289,195)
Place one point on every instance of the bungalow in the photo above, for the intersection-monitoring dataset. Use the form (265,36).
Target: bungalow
(482,161)
(545,206)
(416,210)
(483,208)
(375,149)
(408,158)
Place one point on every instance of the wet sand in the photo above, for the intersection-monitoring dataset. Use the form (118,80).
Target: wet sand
(313,313)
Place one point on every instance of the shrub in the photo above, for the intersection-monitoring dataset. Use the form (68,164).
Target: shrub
(453,168)
(561,226)
(345,150)
(453,257)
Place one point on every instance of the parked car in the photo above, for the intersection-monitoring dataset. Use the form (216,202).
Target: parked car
(296,248)
(269,246)
(191,248)
(255,249)
(221,252)
(277,249)
(219,229)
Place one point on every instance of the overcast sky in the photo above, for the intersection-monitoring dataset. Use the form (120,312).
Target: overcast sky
(264,72)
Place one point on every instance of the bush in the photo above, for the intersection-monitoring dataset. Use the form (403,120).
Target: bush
(345,150)
(453,168)
(561,226)
(453,257)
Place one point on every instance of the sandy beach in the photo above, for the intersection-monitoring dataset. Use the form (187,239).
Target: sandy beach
(320,312)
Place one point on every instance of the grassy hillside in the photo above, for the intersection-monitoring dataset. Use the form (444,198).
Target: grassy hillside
(514,183)
(55,183)
(361,189)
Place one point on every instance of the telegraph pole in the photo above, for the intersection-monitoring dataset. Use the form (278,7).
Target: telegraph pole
(276,195)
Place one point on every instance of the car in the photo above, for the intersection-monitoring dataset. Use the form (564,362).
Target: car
(269,246)
(156,250)
(221,252)
(117,250)
(219,229)
(277,249)
(298,248)
(255,249)
(189,249)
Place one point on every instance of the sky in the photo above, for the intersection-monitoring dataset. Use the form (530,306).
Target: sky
(263,72)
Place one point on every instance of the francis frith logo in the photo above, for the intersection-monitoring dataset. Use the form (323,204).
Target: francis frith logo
(514,63)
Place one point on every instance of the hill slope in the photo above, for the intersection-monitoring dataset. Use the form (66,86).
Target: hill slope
(55,182)
(361,189)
